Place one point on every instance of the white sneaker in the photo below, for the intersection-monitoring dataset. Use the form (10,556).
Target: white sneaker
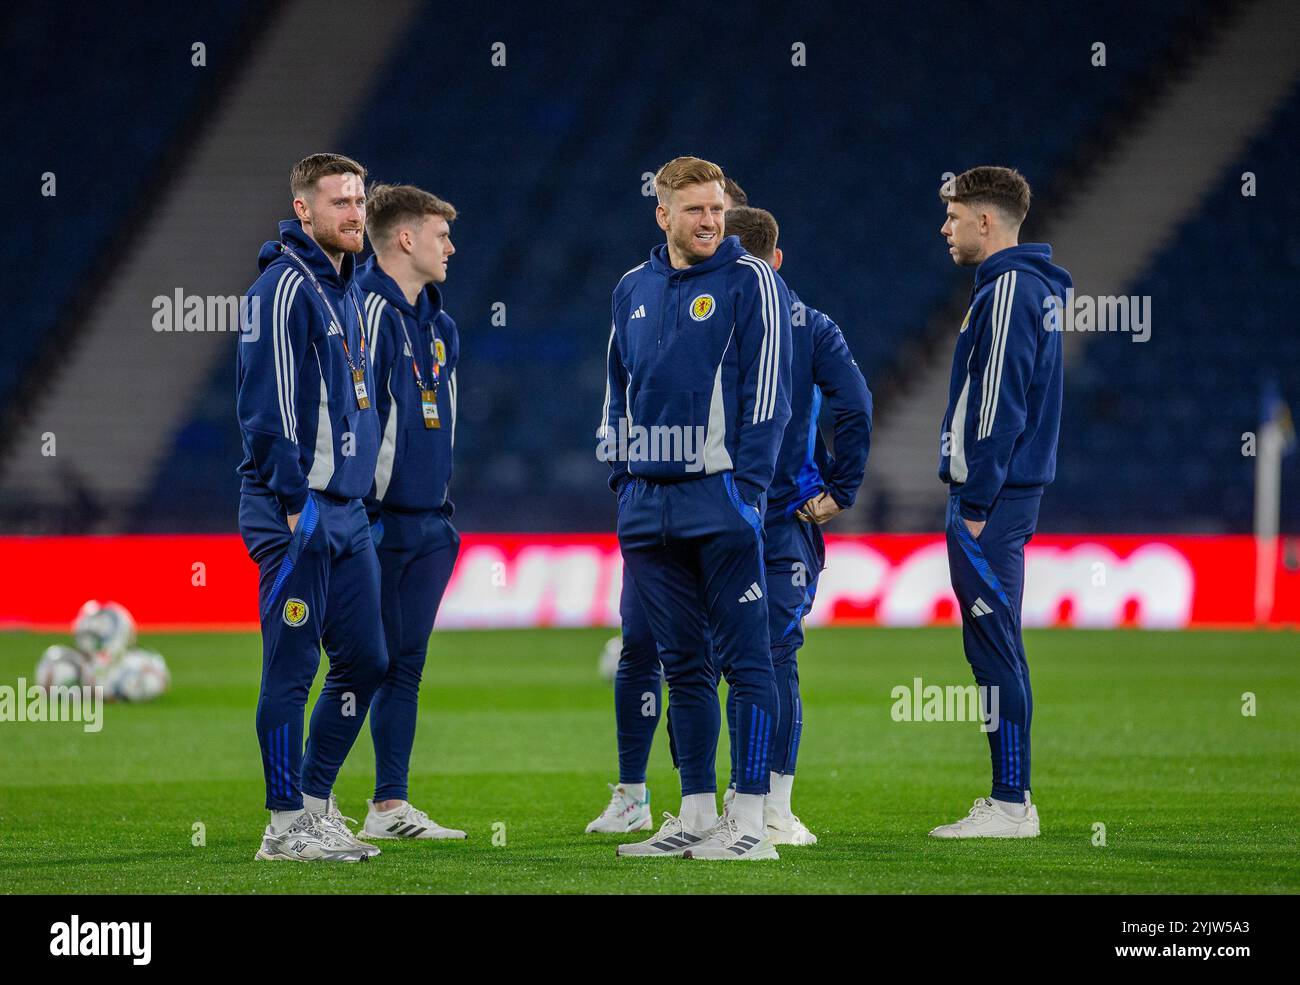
(336,821)
(623,814)
(308,839)
(987,820)
(672,839)
(727,842)
(786,829)
(406,821)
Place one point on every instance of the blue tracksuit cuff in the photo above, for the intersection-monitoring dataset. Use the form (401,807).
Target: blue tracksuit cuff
(294,504)
(844,498)
(749,492)
(969,512)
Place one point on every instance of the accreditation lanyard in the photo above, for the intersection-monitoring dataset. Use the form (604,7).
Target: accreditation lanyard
(358,373)
(428,395)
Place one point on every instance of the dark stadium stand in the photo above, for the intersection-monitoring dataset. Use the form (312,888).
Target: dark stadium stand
(549,241)
(130,131)
(1151,433)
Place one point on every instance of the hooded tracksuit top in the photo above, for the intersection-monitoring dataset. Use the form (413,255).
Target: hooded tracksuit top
(704,350)
(298,411)
(1004,398)
(822,370)
(415,462)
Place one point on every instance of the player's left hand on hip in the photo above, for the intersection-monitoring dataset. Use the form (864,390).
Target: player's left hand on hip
(820,509)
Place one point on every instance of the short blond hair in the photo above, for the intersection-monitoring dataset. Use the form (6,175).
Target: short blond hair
(683,171)
(388,206)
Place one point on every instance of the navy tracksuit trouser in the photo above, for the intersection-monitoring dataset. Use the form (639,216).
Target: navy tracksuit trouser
(318,584)
(638,687)
(694,549)
(417,552)
(988,576)
(794,555)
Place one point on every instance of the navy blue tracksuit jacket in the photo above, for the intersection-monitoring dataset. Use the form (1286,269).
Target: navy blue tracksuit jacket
(1004,396)
(696,404)
(309,449)
(706,348)
(997,452)
(409,503)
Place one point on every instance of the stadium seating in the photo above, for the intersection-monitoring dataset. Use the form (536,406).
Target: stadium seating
(548,171)
(1152,433)
(104,147)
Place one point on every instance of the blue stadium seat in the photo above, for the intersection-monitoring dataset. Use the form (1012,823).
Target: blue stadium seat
(1222,324)
(545,159)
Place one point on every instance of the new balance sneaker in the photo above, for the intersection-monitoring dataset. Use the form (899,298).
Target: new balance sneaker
(786,829)
(308,839)
(338,822)
(987,820)
(726,842)
(671,839)
(623,814)
(406,821)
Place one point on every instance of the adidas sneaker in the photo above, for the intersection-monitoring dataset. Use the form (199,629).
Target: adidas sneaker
(672,839)
(405,821)
(727,842)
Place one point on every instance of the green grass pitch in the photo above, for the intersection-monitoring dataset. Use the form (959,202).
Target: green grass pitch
(1140,732)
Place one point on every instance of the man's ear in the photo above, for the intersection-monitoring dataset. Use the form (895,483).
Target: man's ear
(661,217)
(777,258)
(301,210)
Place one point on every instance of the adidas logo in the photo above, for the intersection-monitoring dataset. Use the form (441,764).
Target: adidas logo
(980,608)
(407,830)
(674,842)
(334,329)
(638,313)
(752,594)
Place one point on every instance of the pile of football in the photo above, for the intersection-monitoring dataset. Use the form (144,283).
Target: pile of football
(104,654)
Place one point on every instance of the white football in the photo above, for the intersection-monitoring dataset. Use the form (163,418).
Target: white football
(60,666)
(609,658)
(105,630)
(140,675)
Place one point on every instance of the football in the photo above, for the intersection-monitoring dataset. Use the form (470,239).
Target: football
(140,675)
(60,666)
(103,630)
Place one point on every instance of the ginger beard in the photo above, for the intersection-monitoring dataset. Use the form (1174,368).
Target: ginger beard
(335,216)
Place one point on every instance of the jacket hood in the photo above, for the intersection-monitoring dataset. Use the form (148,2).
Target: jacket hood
(372,277)
(293,237)
(1035,258)
(728,251)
